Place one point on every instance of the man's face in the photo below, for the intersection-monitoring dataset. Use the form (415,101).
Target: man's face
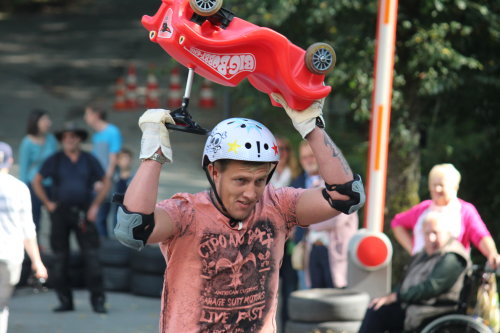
(240,186)
(308,161)
(441,190)
(70,142)
(436,236)
(90,116)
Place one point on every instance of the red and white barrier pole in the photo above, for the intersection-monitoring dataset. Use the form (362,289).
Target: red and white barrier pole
(380,117)
(370,249)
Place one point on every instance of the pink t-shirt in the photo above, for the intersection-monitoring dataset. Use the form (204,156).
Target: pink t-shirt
(472,228)
(218,278)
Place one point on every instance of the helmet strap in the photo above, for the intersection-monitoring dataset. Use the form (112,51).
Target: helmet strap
(275,165)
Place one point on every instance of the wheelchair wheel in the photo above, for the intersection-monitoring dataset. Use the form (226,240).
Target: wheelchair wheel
(205,7)
(456,323)
(320,58)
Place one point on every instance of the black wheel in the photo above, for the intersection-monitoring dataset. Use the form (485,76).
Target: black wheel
(149,260)
(144,284)
(113,253)
(116,278)
(456,324)
(205,7)
(320,58)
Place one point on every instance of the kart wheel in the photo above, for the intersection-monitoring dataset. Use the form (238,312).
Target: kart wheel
(205,7)
(320,58)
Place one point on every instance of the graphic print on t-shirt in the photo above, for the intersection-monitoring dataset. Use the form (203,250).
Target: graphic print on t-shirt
(235,274)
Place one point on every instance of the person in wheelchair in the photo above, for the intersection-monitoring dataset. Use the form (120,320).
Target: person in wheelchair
(431,285)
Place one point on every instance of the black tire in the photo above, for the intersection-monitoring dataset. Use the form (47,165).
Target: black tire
(116,278)
(149,260)
(322,305)
(456,323)
(113,253)
(320,58)
(146,284)
(205,7)
(326,327)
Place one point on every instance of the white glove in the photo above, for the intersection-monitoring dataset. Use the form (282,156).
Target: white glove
(303,121)
(155,134)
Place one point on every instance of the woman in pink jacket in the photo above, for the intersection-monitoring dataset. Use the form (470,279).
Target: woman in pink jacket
(463,219)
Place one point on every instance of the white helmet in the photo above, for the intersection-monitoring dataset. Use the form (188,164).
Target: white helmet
(240,139)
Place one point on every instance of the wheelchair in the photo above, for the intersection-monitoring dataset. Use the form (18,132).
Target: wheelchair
(460,321)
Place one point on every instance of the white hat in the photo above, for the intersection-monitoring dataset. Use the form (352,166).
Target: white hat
(5,155)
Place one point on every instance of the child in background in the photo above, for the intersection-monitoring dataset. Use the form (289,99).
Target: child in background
(124,163)
(124,174)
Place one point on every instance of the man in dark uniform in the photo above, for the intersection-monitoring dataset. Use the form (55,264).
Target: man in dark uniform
(73,207)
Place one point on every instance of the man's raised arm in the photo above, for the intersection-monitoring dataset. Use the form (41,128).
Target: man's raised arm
(139,222)
(343,192)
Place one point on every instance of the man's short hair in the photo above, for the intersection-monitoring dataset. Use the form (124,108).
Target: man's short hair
(99,111)
(223,163)
(126,151)
(439,218)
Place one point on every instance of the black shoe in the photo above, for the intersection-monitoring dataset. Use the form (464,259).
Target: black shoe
(97,301)
(64,308)
(65,301)
(99,308)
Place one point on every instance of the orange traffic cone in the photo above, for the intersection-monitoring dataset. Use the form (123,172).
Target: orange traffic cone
(207,100)
(120,95)
(131,92)
(174,98)
(152,90)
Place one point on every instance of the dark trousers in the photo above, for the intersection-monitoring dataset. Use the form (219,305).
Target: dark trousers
(319,267)
(67,219)
(388,318)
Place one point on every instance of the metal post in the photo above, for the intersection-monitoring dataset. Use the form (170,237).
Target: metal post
(370,250)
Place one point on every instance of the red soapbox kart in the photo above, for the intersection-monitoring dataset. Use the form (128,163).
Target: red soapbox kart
(211,41)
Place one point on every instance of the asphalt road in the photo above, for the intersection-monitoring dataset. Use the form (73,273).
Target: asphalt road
(32,313)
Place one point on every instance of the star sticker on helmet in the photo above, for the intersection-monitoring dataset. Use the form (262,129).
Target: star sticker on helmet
(275,148)
(234,147)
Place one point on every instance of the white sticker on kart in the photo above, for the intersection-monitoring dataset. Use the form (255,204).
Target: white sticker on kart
(228,65)
(166,29)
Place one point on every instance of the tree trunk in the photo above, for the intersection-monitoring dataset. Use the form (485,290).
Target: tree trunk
(402,184)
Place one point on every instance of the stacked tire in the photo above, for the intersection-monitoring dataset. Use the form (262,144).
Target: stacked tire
(326,311)
(147,270)
(115,260)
